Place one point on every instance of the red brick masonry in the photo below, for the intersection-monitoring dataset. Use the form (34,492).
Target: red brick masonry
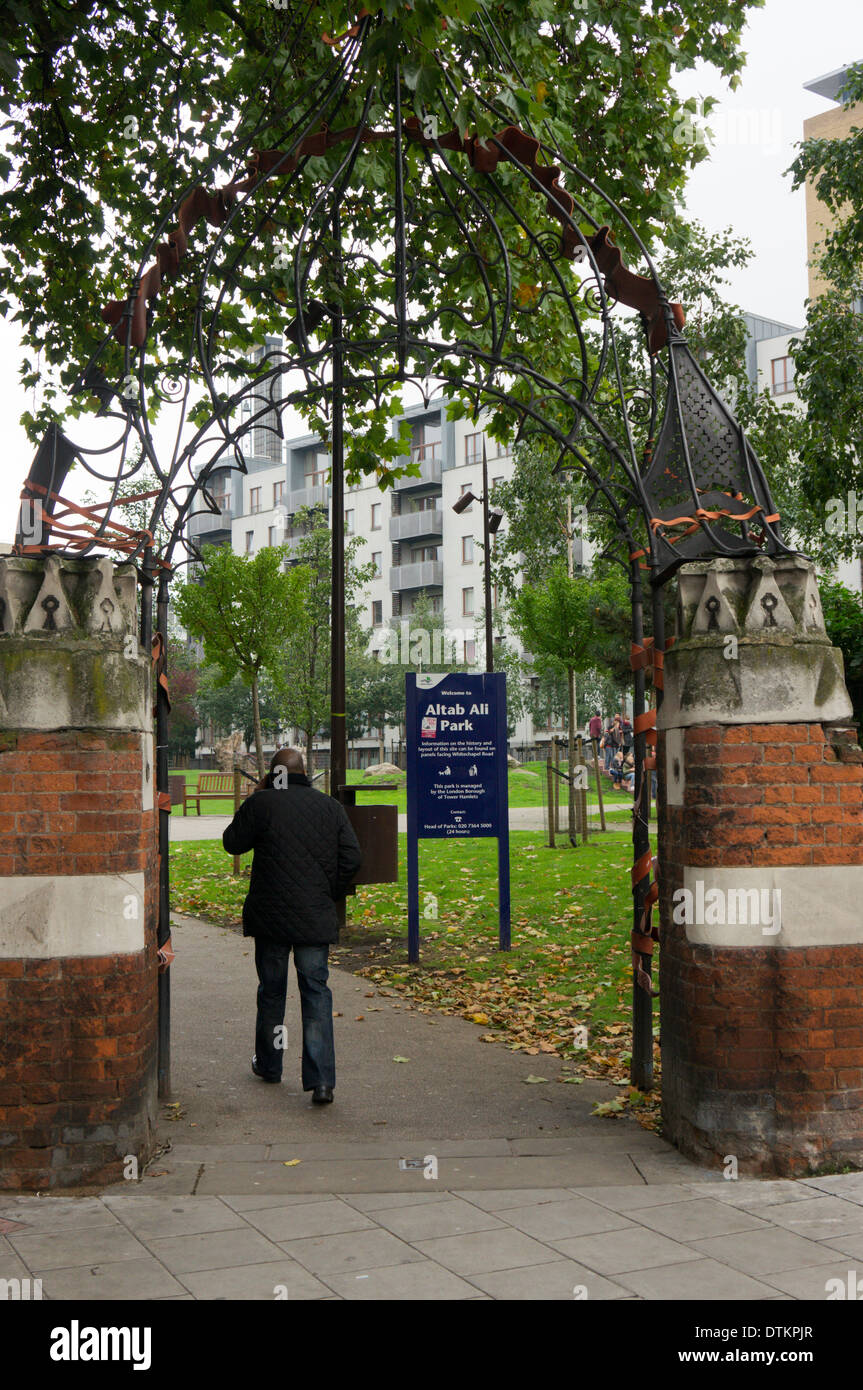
(77,1035)
(762,1047)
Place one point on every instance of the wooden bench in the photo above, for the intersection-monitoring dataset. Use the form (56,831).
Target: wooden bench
(212,786)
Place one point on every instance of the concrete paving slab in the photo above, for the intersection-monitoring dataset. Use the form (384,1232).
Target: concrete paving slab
(765,1252)
(387,1201)
(218,1153)
(406,1147)
(362,1175)
(450,1218)
(144,1278)
(813,1282)
(485,1251)
(259,1201)
(751,1193)
(851,1245)
(259,1282)
(351,1252)
(848,1186)
(554,1221)
(384,1175)
(617,1252)
(819,1218)
(559,1282)
(309,1219)
(423,1281)
(671,1168)
(498,1199)
(213,1250)
(164,1179)
(634,1198)
(11,1264)
(698,1281)
(95,1245)
(176,1216)
(688,1221)
(57,1213)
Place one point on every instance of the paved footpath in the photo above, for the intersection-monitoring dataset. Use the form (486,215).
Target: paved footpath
(528,1196)
(520,818)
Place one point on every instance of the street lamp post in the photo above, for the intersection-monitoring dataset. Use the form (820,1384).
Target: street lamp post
(490,523)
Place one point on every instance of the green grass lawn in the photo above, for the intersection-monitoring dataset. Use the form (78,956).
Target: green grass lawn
(527,787)
(569,965)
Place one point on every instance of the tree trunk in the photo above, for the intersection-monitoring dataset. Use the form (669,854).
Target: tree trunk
(381,757)
(570,750)
(310,754)
(259,737)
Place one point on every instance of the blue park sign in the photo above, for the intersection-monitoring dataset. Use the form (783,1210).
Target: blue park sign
(457,775)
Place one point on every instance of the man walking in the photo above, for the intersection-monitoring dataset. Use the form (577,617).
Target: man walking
(305,855)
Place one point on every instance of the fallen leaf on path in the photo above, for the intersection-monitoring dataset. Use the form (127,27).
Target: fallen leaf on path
(401,1059)
(535,1080)
(608,1107)
(291,1162)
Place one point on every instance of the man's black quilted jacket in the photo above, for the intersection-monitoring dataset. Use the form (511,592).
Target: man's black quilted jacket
(306,854)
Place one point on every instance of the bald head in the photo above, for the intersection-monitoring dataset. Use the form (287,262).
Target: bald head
(291,759)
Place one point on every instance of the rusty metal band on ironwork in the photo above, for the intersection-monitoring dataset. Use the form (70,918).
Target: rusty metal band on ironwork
(635,291)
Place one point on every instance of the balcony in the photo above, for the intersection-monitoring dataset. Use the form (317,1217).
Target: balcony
(424,574)
(204,523)
(411,526)
(306,497)
(428,456)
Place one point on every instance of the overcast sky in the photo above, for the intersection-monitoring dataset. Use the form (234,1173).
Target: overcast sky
(743,184)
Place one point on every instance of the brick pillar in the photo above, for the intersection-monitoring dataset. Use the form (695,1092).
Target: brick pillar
(761,877)
(78,875)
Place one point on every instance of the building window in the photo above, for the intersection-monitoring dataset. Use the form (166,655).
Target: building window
(250,541)
(782,369)
(254,499)
(278,490)
(349,521)
(378,562)
(469,652)
(273,536)
(466,487)
(377,612)
(495,482)
(316,477)
(223,502)
(376,516)
(436,603)
(426,441)
(425,504)
(467,550)
(473,447)
(467,602)
(421,553)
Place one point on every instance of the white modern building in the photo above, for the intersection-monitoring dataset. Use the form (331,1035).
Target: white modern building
(770,366)
(417,543)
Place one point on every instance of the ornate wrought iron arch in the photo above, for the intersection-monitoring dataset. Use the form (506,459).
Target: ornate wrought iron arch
(478,241)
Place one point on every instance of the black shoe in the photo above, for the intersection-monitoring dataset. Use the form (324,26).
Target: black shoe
(322,1095)
(273,1080)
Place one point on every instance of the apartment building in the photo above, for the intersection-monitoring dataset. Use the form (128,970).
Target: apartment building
(834,123)
(418,545)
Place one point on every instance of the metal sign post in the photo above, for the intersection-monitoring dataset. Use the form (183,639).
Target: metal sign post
(457,776)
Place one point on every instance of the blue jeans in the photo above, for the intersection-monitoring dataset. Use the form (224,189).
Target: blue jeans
(272,959)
